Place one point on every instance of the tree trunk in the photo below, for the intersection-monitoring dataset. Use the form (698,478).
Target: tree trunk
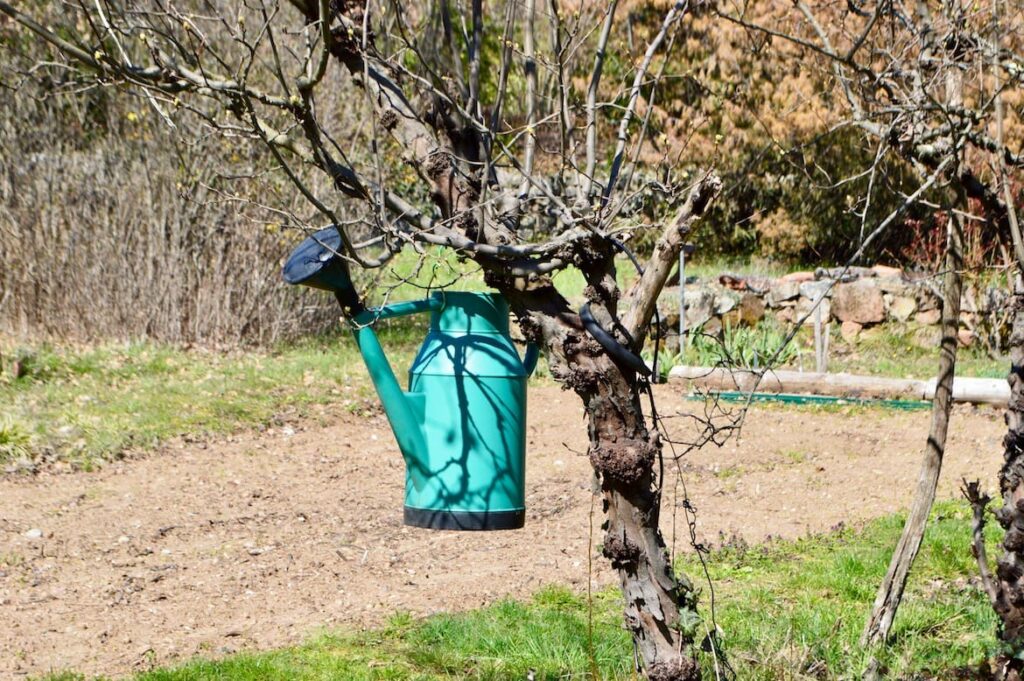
(660,609)
(890,593)
(1009,601)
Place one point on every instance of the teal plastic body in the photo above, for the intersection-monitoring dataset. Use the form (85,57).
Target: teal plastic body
(461,425)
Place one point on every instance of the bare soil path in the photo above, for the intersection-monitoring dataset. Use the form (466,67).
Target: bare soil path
(259,540)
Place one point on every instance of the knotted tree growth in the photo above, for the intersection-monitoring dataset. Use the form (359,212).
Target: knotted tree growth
(509,134)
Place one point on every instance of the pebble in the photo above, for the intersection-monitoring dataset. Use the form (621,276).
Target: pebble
(34,533)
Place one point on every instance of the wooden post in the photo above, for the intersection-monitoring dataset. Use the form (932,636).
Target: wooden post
(682,301)
(821,336)
(818,354)
(828,334)
(687,248)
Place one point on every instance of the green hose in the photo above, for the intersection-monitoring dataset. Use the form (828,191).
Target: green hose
(789,398)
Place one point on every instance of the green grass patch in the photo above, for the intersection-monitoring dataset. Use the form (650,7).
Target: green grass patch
(902,350)
(894,350)
(710,266)
(88,406)
(796,609)
(785,610)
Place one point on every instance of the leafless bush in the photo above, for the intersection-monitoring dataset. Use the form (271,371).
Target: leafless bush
(113,227)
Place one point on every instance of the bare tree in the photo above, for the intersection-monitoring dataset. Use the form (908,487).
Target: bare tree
(482,108)
(925,83)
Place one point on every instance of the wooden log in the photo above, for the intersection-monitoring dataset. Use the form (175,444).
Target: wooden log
(973,390)
(995,391)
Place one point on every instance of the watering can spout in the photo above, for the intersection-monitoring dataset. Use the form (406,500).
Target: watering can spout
(405,410)
(315,263)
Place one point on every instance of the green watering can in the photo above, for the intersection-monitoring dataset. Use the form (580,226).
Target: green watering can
(461,425)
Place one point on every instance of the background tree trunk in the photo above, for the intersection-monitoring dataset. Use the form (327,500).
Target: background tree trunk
(890,593)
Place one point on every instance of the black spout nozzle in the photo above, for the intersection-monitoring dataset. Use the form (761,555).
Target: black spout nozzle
(349,301)
(315,263)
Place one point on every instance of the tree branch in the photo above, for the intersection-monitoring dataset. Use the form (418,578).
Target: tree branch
(642,298)
(979,504)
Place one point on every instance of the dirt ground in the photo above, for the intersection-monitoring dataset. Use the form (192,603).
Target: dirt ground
(262,539)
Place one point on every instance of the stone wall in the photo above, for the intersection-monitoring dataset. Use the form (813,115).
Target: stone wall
(854,299)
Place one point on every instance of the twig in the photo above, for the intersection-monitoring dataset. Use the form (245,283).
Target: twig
(979,504)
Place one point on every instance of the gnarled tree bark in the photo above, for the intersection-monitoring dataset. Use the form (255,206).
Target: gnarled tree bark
(660,607)
(1008,599)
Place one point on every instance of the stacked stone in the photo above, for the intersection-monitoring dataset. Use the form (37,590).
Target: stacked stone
(856,298)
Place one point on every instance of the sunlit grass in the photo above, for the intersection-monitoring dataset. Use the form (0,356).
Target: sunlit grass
(86,406)
(793,608)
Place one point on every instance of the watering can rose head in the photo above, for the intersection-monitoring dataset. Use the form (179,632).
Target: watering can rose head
(461,425)
(317,263)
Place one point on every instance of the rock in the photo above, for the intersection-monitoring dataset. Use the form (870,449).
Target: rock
(668,307)
(843,273)
(725,300)
(21,465)
(965,336)
(713,327)
(872,333)
(786,315)
(996,299)
(859,301)
(797,277)
(804,308)
(968,300)
(751,309)
(744,282)
(887,272)
(781,291)
(732,281)
(671,342)
(732,318)
(849,331)
(896,287)
(927,298)
(812,289)
(902,308)
(928,317)
(34,533)
(927,337)
(699,307)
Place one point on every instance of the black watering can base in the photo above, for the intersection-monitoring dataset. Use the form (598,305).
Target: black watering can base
(464,520)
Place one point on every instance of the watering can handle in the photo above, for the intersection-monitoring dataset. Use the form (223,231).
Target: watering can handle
(530,358)
(398,310)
